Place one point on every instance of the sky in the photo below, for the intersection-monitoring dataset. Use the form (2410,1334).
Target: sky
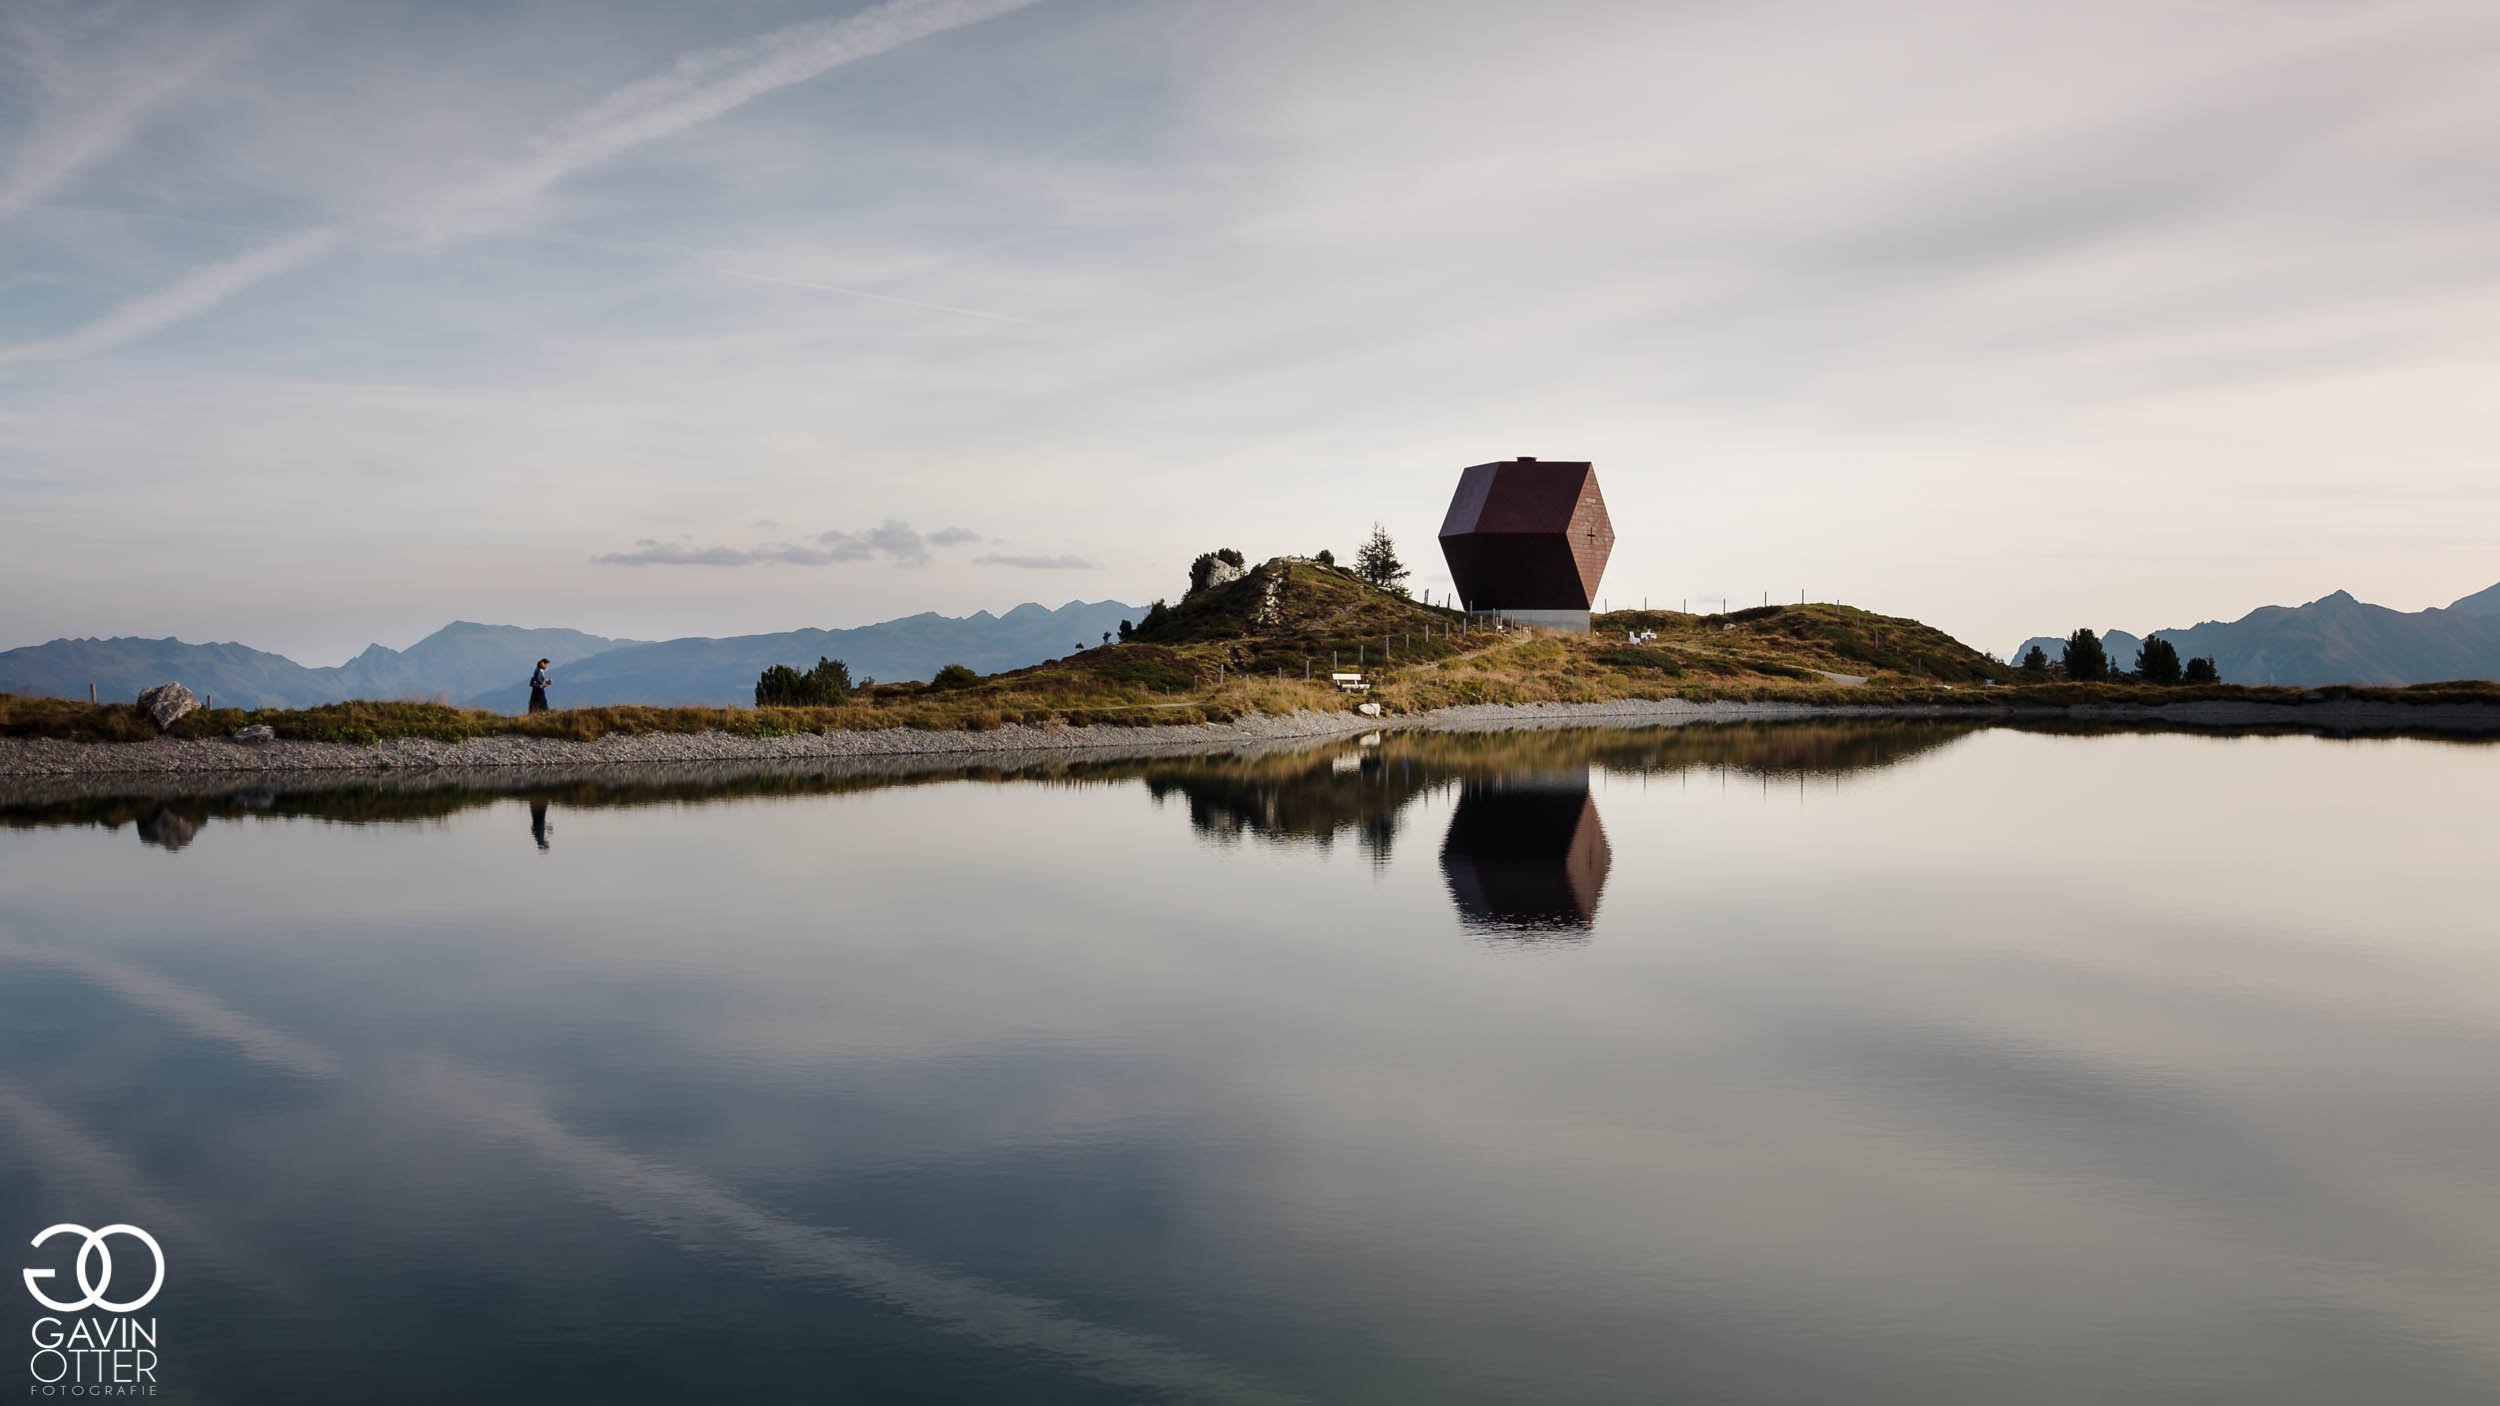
(325,324)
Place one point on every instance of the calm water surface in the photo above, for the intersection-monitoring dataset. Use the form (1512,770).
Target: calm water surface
(1883,1063)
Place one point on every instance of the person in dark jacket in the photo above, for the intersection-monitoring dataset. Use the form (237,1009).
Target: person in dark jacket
(538,687)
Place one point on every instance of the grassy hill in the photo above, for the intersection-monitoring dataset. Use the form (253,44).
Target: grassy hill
(1266,644)
(1292,604)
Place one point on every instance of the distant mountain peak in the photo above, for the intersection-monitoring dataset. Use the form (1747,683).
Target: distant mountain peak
(2338,638)
(469,660)
(2483,602)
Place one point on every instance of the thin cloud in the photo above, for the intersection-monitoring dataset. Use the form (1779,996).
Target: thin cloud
(895,542)
(872,297)
(651,552)
(898,541)
(711,258)
(1034,562)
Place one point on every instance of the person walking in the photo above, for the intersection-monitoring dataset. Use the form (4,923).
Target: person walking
(538,687)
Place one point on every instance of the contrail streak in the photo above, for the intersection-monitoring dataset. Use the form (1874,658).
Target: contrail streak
(695,1212)
(706,84)
(199,1013)
(186,297)
(79,1169)
(690,1209)
(695,89)
(59,149)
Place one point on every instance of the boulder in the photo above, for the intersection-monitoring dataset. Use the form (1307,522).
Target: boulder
(256,735)
(167,702)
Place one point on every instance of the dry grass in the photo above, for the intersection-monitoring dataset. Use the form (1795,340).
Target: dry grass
(1243,650)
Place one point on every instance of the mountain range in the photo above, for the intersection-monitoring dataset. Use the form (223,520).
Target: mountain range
(2333,639)
(488,666)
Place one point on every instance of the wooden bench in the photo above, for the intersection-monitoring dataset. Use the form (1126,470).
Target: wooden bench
(1350,683)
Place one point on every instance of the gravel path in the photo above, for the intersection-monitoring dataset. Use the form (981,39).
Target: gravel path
(170,756)
(36,757)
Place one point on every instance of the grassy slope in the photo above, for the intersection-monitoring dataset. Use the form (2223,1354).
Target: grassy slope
(1259,636)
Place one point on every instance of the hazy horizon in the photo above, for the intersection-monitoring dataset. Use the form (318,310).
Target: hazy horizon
(623,639)
(324,327)
(1989,647)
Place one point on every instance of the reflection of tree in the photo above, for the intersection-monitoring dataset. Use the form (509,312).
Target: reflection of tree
(1526,856)
(1304,797)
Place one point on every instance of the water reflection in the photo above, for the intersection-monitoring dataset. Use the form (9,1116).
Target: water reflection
(1526,857)
(1118,1081)
(1362,787)
(1317,794)
(1293,793)
(167,830)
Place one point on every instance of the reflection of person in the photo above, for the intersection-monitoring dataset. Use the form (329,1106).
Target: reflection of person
(538,823)
(538,687)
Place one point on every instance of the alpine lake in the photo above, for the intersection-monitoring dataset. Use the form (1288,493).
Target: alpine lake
(1834,1061)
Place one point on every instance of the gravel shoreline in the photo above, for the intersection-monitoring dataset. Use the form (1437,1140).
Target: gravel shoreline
(41,757)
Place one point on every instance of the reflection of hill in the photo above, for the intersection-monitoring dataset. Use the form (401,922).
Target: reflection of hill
(1313,795)
(1308,797)
(1824,746)
(367,798)
(1291,794)
(1526,856)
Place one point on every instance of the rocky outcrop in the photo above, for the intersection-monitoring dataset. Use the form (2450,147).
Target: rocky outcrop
(167,703)
(1269,613)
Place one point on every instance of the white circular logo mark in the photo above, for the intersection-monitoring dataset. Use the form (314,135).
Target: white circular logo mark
(94,1283)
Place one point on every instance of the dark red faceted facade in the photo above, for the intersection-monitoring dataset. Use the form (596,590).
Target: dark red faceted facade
(1527,535)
